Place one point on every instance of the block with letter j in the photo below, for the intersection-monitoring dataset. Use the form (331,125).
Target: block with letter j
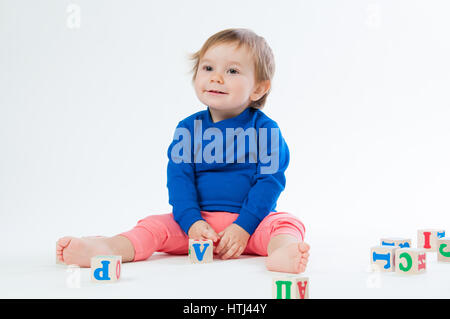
(200,251)
(105,268)
(382,258)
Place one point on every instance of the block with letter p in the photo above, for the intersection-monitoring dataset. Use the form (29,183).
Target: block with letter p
(105,268)
(410,261)
(200,251)
(443,249)
(289,287)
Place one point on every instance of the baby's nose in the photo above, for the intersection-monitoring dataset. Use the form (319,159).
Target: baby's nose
(216,78)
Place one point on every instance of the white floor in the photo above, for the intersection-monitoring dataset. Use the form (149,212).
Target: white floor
(335,271)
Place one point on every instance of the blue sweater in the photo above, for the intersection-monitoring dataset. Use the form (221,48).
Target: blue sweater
(209,169)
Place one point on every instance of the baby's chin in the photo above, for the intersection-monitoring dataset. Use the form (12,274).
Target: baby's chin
(217,106)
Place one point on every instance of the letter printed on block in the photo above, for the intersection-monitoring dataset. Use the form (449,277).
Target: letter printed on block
(105,268)
(396,241)
(290,287)
(382,258)
(200,251)
(427,238)
(443,252)
(410,260)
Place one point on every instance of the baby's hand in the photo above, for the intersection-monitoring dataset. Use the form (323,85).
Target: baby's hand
(233,241)
(201,230)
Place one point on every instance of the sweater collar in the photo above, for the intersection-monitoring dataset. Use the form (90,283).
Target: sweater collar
(241,118)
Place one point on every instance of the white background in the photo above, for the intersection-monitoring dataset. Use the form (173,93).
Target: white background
(361,94)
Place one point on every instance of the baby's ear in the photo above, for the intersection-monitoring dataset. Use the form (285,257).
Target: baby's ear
(260,89)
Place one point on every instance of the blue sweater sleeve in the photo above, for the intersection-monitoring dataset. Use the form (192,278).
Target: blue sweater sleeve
(269,180)
(181,180)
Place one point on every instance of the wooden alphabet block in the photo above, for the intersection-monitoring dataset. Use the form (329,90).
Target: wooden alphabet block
(106,268)
(410,260)
(396,241)
(289,287)
(443,250)
(382,258)
(427,238)
(200,251)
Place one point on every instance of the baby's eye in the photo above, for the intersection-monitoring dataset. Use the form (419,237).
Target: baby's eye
(208,68)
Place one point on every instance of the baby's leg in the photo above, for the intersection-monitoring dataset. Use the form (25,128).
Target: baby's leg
(153,233)
(280,237)
(78,251)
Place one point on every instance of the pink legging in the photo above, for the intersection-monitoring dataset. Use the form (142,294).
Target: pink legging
(161,233)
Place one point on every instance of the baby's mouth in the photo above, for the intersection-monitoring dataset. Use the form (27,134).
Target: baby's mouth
(216,92)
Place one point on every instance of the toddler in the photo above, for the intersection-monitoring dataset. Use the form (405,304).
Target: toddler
(228,197)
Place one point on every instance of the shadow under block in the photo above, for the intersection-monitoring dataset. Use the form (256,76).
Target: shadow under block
(396,241)
(289,287)
(200,251)
(410,261)
(427,238)
(443,250)
(382,258)
(106,268)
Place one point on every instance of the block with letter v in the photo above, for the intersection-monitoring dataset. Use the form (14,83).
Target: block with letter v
(200,251)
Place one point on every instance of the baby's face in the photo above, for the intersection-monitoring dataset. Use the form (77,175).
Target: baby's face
(229,70)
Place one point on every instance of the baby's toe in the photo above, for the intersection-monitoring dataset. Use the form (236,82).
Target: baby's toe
(304,261)
(301,268)
(63,242)
(303,247)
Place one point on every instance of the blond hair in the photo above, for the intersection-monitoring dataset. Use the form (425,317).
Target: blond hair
(263,58)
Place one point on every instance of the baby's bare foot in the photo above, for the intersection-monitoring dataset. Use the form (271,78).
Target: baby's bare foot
(291,258)
(78,251)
